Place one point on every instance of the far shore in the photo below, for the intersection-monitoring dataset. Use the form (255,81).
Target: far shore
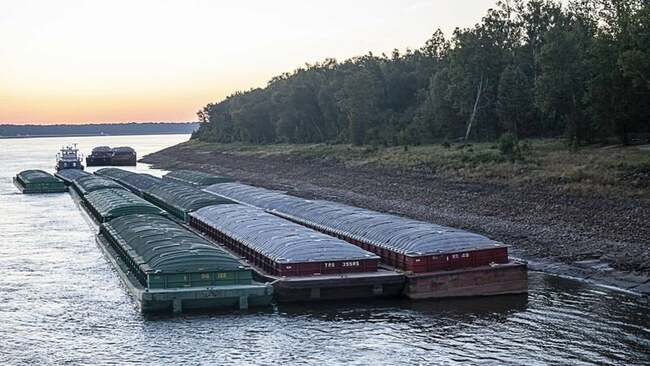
(92,135)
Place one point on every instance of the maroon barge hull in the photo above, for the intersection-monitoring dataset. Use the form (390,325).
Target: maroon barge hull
(279,246)
(497,279)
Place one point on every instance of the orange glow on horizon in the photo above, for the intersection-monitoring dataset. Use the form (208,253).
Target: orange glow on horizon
(78,61)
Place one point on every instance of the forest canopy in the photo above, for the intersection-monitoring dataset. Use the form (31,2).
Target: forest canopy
(529,68)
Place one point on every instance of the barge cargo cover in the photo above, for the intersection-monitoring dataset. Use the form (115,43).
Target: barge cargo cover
(279,246)
(137,183)
(404,243)
(70,175)
(108,204)
(195,178)
(180,200)
(91,183)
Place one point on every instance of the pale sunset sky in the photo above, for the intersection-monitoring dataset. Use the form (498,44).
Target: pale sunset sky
(75,61)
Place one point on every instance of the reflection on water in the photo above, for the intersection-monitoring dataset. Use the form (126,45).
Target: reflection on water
(61,302)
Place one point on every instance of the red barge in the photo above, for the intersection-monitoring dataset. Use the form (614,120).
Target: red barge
(438,261)
(302,264)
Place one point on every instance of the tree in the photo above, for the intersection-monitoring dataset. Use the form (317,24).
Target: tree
(514,103)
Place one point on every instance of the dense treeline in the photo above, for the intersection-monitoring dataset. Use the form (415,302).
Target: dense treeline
(532,68)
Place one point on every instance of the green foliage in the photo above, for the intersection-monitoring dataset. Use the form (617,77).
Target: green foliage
(509,146)
(530,68)
(514,101)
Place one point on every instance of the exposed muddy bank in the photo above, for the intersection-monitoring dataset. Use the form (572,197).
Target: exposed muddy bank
(603,238)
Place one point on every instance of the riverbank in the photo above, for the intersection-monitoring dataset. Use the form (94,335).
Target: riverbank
(581,214)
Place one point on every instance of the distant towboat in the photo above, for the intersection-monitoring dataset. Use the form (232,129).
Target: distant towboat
(69,158)
(104,155)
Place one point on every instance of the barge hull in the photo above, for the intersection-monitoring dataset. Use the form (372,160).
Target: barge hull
(187,299)
(39,188)
(381,284)
(498,279)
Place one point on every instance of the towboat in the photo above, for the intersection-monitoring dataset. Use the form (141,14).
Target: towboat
(69,158)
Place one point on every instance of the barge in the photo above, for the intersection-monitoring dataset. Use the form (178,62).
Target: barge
(90,183)
(99,156)
(68,176)
(303,264)
(123,156)
(105,155)
(326,284)
(137,183)
(179,200)
(38,181)
(167,268)
(438,261)
(110,203)
(195,178)
(172,274)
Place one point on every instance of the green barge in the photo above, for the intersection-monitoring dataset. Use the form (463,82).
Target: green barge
(168,268)
(38,181)
(165,267)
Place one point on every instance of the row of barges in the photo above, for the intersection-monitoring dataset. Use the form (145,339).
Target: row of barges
(306,250)
(433,260)
(302,264)
(165,265)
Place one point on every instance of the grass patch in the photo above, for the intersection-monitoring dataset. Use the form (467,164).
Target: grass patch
(590,169)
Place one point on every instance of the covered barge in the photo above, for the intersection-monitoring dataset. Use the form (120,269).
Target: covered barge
(68,176)
(124,156)
(439,261)
(111,203)
(99,156)
(195,178)
(137,183)
(302,263)
(168,268)
(91,183)
(179,199)
(38,181)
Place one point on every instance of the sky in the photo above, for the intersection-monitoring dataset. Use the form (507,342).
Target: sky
(92,61)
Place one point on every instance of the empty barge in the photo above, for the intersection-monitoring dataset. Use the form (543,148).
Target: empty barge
(168,268)
(438,261)
(38,181)
(303,264)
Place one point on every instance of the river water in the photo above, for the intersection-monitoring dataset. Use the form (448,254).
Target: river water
(62,303)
